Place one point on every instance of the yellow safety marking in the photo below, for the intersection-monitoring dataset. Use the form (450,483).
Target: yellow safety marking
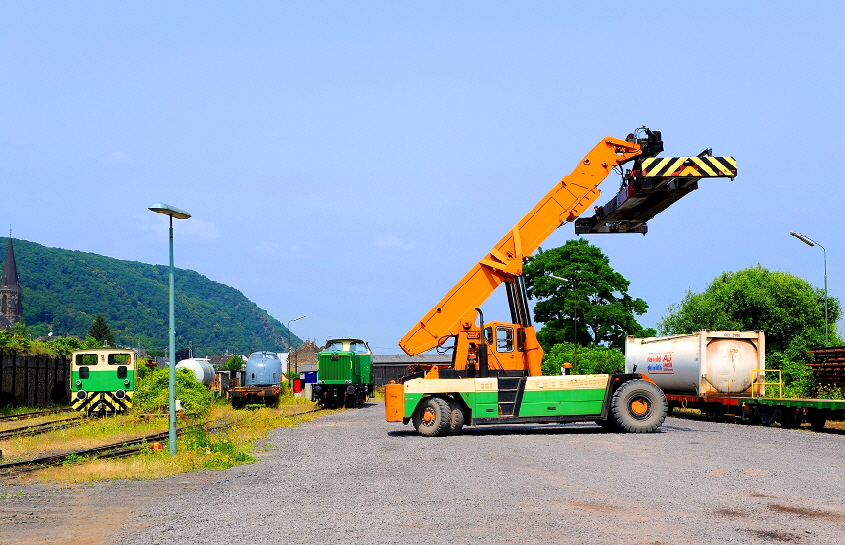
(664,167)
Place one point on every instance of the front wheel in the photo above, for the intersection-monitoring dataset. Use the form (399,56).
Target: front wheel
(638,406)
(432,417)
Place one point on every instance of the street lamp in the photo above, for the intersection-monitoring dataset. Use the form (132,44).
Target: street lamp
(290,348)
(168,210)
(575,336)
(810,242)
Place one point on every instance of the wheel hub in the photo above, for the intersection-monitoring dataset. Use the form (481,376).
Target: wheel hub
(640,407)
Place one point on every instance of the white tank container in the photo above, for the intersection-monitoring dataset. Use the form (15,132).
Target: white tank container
(707,362)
(200,368)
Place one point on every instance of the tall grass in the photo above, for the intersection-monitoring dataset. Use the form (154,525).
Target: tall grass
(226,443)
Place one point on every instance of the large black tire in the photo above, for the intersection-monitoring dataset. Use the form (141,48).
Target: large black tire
(457,417)
(432,417)
(638,406)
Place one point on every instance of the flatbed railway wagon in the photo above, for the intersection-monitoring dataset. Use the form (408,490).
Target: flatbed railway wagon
(723,375)
(102,380)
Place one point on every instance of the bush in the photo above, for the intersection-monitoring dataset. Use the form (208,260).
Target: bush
(797,377)
(590,359)
(151,393)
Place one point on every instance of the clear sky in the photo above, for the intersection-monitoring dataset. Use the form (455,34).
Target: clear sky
(352,160)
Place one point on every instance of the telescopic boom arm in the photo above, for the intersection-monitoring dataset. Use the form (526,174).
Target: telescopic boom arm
(563,203)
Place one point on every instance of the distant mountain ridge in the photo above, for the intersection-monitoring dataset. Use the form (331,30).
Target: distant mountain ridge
(64,290)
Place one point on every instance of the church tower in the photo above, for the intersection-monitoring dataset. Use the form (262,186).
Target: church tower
(11,295)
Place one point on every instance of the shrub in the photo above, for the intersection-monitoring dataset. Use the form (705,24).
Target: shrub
(152,391)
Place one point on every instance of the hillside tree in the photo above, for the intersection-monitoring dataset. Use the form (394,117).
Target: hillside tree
(101,331)
(592,295)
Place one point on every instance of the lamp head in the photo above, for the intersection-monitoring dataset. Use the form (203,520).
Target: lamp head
(802,238)
(168,210)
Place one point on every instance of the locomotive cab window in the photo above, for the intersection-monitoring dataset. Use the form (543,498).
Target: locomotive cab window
(358,348)
(488,335)
(504,339)
(118,359)
(334,347)
(86,360)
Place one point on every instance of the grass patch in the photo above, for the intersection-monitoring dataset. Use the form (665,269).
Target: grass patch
(227,443)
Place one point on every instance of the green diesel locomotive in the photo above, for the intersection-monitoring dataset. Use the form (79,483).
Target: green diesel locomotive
(344,374)
(102,380)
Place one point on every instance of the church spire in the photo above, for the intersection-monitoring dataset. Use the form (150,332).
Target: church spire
(10,268)
(11,295)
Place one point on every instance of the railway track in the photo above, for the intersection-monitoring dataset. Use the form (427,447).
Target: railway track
(36,429)
(26,416)
(114,450)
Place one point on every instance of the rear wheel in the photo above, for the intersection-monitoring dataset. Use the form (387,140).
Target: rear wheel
(638,406)
(432,417)
(457,418)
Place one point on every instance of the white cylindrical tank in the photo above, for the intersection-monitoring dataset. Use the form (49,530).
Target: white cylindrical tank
(199,367)
(707,362)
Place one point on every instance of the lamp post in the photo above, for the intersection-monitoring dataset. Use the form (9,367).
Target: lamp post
(575,336)
(290,348)
(810,242)
(168,210)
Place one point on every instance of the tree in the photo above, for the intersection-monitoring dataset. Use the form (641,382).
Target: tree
(788,309)
(593,295)
(235,363)
(101,331)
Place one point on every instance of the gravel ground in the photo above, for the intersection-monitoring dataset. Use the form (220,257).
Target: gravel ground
(353,478)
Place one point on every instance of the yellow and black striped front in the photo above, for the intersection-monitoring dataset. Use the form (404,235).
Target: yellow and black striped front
(102,402)
(687,167)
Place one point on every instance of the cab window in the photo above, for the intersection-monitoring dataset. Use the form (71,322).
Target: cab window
(118,359)
(504,339)
(86,360)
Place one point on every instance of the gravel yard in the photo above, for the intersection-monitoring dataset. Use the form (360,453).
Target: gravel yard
(353,478)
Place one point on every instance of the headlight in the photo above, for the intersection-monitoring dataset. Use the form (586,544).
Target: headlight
(120,394)
(81,394)
(79,383)
(126,382)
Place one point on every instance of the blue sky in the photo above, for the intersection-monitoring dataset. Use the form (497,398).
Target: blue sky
(352,160)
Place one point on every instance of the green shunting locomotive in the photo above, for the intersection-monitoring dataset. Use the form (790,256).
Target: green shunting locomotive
(344,374)
(102,380)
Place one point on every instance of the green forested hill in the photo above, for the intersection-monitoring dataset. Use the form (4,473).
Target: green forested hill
(64,290)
